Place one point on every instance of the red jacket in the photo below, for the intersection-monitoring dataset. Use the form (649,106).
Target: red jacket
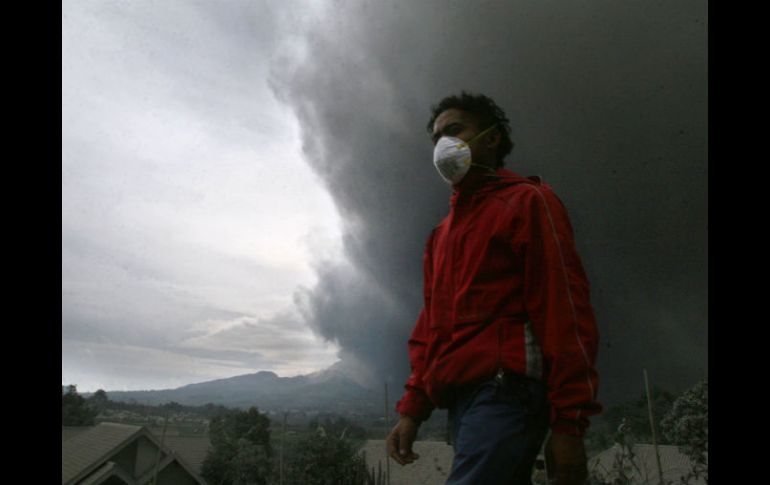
(504,288)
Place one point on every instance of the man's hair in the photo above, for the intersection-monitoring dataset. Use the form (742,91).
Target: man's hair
(486,113)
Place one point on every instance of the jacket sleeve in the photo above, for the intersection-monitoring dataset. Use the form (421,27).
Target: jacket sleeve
(556,296)
(415,402)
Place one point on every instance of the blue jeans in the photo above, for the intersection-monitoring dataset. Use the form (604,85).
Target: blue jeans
(496,430)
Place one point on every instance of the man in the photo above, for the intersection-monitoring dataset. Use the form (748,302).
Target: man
(507,338)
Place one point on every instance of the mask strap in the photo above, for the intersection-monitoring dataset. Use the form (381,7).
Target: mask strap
(461,145)
(484,167)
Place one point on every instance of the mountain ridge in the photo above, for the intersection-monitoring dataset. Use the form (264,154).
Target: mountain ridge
(339,387)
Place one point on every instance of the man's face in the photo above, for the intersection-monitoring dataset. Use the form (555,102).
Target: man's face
(454,122)
(461,124)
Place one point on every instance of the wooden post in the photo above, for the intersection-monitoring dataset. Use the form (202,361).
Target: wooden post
(387,428)
(160,449)
(652,427)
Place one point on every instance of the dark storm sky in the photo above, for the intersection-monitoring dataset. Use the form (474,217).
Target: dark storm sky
(608,103)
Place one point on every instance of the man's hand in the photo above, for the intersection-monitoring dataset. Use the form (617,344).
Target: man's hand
(400,440)
(566,458)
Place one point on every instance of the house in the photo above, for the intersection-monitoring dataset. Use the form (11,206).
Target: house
(120,454)
(643,468)
(431,468)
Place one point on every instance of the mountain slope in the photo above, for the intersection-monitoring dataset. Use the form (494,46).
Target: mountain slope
(333,389)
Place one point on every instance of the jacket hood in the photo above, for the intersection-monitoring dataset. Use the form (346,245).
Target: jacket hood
(478,182)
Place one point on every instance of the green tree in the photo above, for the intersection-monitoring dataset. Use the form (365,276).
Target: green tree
(325,459)
(99,401)
(686,425)
(75,411)
(241,452)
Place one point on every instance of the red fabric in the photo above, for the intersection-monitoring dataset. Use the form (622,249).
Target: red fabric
(502,257)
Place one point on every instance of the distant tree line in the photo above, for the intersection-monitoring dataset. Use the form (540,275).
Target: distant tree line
(80,411)
(207,410)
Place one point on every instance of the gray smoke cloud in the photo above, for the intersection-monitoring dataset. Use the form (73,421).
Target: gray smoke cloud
(608,103)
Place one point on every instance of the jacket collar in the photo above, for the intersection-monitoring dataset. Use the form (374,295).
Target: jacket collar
(478,182)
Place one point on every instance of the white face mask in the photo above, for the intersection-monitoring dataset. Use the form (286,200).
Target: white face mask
(452,157)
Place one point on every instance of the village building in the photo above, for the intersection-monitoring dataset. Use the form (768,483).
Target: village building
(432,468)
(435,462)
(121,454)
(642,467)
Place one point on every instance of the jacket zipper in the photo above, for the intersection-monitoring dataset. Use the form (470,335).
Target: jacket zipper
(500,370)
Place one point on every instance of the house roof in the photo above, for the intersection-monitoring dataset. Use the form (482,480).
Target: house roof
(192,449)
(68,432)
(432,467)
(85,451)
(101,473)
(88,449)
(674,463)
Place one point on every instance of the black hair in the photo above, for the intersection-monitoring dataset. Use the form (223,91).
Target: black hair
(486,113)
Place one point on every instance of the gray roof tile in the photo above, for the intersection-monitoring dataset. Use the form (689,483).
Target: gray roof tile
(432,467)
(68,432)
(673,462)
(191,449)
(90,447)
